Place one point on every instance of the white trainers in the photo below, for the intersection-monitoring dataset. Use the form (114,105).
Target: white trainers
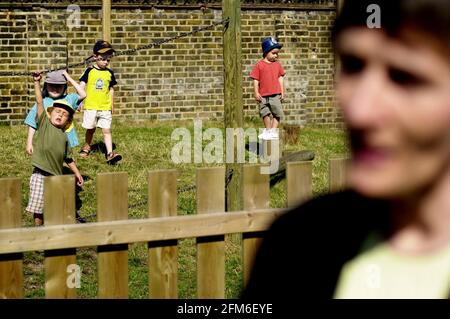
(265,134)
(273,134)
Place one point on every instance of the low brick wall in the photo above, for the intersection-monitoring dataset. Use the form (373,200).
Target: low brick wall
(178,80)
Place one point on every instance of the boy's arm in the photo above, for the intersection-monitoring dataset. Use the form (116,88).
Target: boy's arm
(280,80)
(80,89)
(73,167)
(29,147)
(83,86)
(37,91)
(111,94)
(256,90)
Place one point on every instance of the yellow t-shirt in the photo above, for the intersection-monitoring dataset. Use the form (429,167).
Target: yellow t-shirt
(98,83)
(382,272)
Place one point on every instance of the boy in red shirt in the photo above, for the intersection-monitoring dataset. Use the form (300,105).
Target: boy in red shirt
(267,77)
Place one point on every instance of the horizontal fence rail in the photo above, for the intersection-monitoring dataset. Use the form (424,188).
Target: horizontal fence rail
(60,236)
(133,231)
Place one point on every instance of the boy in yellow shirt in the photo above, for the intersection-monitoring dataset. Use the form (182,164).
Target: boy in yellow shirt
(98,106)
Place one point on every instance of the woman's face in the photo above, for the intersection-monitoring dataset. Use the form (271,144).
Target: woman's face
(55,90)
(395,98)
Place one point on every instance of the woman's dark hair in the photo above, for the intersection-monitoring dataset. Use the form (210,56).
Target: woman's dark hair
(45,90)
(429,16)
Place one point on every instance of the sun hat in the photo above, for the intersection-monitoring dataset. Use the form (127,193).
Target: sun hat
(62,104)
(268,44)
(56,77)
(102,46)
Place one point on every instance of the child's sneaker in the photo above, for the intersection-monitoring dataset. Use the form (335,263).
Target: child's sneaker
(112,158)
(264,135)
(273,134)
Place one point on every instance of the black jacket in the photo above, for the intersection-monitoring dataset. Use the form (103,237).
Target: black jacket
(304,251)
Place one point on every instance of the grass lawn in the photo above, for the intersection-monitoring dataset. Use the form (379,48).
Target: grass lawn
(147,146)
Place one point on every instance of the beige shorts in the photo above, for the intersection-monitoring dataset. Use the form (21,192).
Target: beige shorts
(94,118)
(271,105)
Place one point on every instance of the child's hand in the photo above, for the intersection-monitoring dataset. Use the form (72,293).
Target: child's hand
(282,97)
(66,74)
(258,97)
(80,180)
(37,76)
(29,149)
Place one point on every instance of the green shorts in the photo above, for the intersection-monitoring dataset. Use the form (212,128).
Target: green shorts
(271,104)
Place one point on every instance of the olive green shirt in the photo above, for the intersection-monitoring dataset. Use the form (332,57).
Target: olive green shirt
(50,147)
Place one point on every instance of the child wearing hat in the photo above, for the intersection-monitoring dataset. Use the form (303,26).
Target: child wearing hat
(268,86)
(98,107)
(55,87)
(50,148)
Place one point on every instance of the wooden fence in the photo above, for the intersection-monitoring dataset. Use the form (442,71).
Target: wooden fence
(60,236)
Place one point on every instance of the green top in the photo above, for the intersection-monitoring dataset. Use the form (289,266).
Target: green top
(382,272)
(50,147)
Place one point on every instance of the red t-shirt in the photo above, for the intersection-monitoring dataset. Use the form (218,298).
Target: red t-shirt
(268,74)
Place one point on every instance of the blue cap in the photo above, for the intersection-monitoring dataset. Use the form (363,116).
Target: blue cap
(268,44)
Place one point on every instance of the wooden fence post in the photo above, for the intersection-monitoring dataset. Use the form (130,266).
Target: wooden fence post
(106,20)
(211,249)
(59,208)
(162,255)
(233,101)
(112,204)
(299,182)
(256,196)
(11,265)
(338,173)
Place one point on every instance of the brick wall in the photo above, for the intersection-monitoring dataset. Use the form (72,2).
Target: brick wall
(178,80)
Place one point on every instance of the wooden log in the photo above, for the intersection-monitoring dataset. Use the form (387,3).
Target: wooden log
(280,174)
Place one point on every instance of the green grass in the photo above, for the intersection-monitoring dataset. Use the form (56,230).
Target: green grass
(146,146)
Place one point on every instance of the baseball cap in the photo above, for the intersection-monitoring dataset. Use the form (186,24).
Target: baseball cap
(62,104)
(56,77)
(102,46)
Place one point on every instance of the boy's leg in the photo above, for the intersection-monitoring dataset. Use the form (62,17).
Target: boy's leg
(277,113)
(38,219)
(36,198)
(275,122)
(267,121)
(89,136)
(264,112)
(107,137)
(89,123)
(105,120)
